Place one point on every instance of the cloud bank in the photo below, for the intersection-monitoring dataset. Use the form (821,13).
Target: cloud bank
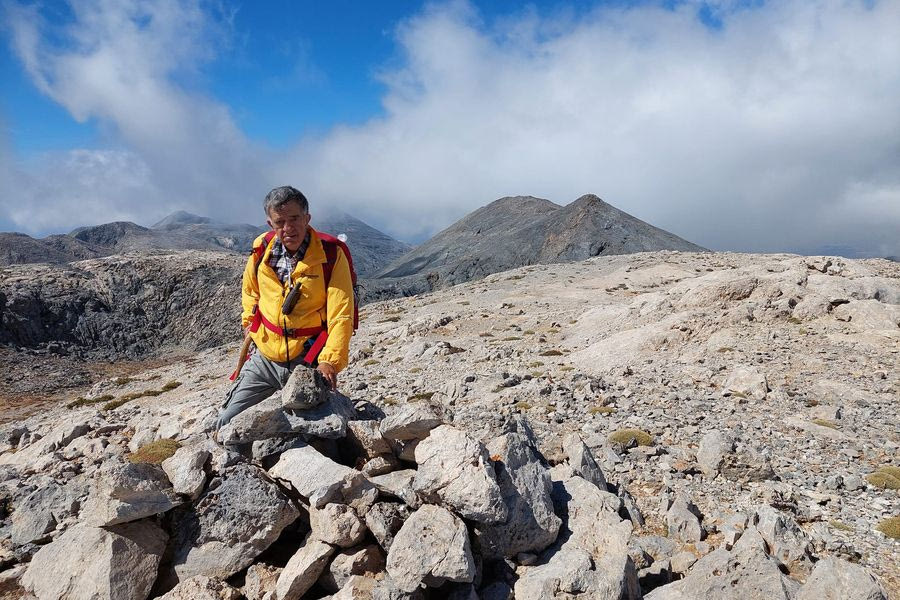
(776,129)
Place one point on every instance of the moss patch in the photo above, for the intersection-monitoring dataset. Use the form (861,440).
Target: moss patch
(840,525)
(882,480)
(551,353)
(88,401)
(631,437)
(420,396)
(825,423)
(171,386)
(890,470)
(154,452)
(890,527)
(523,406)
(601,410)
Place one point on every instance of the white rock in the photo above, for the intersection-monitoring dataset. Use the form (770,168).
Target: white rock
(201,587)
(456,470)
(322,480)
(92,563)
(303,569)
(336,524)
(128,492)
(185,470)
(836,579)
(746,382)
(411,422)
(431,547)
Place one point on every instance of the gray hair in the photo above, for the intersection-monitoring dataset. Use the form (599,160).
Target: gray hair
(280,196)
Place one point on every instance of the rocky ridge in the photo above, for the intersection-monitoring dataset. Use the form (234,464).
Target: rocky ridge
(479,451)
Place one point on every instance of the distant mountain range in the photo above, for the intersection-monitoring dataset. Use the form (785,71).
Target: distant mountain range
(516,231)
(181,230)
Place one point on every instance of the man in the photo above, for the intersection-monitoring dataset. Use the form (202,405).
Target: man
(288,336)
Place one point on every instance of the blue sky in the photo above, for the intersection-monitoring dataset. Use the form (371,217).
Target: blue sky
(752,126)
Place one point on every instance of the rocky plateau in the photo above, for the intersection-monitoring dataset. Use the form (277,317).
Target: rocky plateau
(667,425)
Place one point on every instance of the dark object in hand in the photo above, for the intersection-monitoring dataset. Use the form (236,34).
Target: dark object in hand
(291,300)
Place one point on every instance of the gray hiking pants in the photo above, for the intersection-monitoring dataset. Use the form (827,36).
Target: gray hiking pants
(259,379)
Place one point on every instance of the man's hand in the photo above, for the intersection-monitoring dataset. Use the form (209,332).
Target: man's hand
(329,373)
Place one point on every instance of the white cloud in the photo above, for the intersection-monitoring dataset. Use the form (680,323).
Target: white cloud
(779,130)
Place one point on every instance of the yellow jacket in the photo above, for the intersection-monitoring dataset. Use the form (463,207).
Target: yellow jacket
(263,288)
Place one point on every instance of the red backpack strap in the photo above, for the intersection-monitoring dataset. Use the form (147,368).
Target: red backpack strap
(260,250)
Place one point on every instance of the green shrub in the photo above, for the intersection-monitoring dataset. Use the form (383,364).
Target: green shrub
(628,438)
(890,527)
(154,452)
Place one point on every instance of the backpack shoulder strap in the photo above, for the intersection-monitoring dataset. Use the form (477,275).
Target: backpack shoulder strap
(260,250)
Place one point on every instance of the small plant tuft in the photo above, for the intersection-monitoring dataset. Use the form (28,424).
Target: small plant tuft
(523,406)
(883,480)
(81,401)
(154,452)
(171,386)
(551,353)
(826,423)
(629,438)
(371,361)
(839,525)
(420,396)
(890,527)
(601,410)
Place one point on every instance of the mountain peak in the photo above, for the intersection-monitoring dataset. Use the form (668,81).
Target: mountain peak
(180,217)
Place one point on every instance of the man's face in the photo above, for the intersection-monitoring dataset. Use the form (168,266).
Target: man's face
(289,222)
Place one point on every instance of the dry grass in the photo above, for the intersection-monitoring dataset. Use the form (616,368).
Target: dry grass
(890,527)
(631,437)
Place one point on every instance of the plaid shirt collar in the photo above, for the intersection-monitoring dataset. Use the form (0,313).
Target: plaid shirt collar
(283,262)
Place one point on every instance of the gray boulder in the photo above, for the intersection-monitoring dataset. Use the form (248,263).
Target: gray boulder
(303,569)
(384,520)
(746,383)
(336,524)
(398,484)
(201,587)
(38,513)
(410,422)
(366,436)
(836,579)
(92,563)
(456,471)
(582,461)
(525,484)
(786,542)
(747,573)
(432,547)
(127,492)
(185,470)
(269,419)
(304,389)
(714,447)
(322,480)
(683,520)
(355,561)
(223,532)
(591,556)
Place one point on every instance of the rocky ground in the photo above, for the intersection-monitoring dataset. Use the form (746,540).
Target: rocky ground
(763,388)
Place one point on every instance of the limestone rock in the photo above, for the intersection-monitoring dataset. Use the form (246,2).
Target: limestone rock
(268,419)
(582,461)
(747,573)
(304,389)
(201,587)
(384,520)
(398,484)
(223,532)
(836,579)
(336,524)
(455,470)
(357,587)
(411,422)
(260,581)
(355,561)
(38,513)
(432,547)
(322,480)
(303,569)
(530,525)
(92,563)
(366,436)
(714,447)
(786,542)
(746,382)
(128,492)
(683,521)
(185,470)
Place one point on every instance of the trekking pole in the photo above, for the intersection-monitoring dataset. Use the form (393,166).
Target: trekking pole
(242,358)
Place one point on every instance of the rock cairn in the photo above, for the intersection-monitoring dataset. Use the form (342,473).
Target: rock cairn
(344,501)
